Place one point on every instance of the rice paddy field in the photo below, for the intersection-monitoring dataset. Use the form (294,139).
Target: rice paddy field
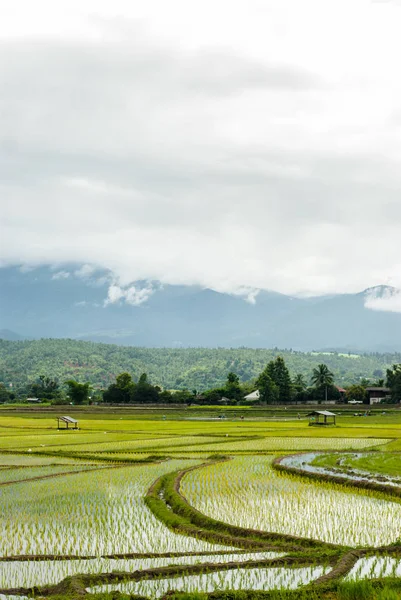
(168,503)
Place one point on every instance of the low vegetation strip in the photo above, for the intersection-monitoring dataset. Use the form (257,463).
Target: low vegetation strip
(126,555)
(95,458)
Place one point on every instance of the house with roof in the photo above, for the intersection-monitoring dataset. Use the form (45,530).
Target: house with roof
(377,394)
(252,397)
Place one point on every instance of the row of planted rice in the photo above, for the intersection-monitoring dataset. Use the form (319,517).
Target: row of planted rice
(92,513)
(277,444)
(201,446)
(238,579)
(63,439)
(158,444)
(248,492)
(29,573)
(32,460)
(8,475)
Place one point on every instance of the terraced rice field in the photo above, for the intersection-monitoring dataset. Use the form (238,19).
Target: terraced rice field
(79,498)
(240,579)
(247,492)
(93,513)
(30,573)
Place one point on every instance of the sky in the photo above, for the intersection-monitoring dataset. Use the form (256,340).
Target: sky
(236,145)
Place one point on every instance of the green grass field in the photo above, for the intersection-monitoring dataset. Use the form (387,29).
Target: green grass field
(72,502)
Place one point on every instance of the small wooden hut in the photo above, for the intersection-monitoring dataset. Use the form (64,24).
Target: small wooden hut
(322,417)
(66,422)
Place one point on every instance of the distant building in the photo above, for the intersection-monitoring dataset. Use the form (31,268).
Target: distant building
(341,391)
(34,400)
(65,422)
(377,394)
(322,418)
(224,400)
(253,396)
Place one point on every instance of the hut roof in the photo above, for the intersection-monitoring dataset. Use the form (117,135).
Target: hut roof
(67,420)
(253,395)
(326,413)
(340,389)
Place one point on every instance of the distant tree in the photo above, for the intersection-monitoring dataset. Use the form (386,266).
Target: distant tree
(394,382)
(280,375)
(144,392)
(120,392)
(78,392)
(356,392)
(232,378)
(4,394)
(114,395)
(365,382)
(166,397)
(125,386)
(143,379)
(233,389)
(299,383)
(322,378)
(124,381)
(214,395)
(321,394)
(269,392)
(183,396)
(45,388)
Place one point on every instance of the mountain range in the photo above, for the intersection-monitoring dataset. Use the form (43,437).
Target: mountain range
(44,303)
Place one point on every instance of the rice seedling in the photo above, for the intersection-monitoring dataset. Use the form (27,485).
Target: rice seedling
(92,513)
(239,579)
(374,567)
(277,444)
(29,573)
(355,590)
(24,473)
(247,492)
(30,460)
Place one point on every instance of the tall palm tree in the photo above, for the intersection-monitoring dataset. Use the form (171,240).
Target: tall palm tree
(299,382)
(322,377)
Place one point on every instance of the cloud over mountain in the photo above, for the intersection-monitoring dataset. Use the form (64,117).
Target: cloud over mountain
(234,146)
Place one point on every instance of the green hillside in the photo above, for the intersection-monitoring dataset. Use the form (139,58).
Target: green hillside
(194,368)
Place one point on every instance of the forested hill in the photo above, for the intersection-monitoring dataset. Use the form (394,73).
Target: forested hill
(192,368)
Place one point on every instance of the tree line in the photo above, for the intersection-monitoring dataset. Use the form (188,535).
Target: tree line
(274,384)
(170,368)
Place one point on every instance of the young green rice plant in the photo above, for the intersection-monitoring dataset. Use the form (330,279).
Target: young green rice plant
(355,590)
(247,492)
(21,474)
(238,579)
(291,444)
(91,514)
(31,460)
(26,574)
(375,567)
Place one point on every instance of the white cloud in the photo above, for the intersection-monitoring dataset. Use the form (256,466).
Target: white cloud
(232,145)
(384,298)
(61,275)
(85,271)
(133,295)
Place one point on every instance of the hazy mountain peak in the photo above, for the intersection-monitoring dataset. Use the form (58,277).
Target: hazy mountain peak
(37,305)
(383,298)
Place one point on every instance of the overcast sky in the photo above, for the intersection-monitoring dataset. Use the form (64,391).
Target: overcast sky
(235,144)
